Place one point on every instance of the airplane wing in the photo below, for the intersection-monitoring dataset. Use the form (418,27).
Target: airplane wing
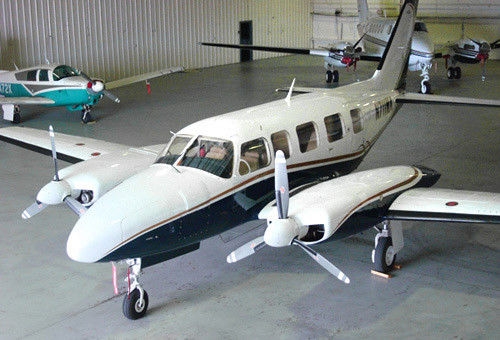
(142,77)
(419,98)
(69,148)
(445,205)
(26,101)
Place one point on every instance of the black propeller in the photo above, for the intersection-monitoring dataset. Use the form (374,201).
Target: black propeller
(283,231)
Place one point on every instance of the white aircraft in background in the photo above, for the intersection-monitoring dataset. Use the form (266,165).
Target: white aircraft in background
(468,51)
(374,32)
(59,85)
(147,205)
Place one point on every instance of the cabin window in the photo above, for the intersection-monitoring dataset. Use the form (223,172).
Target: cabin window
(31,75)
(43,75)
(308,138)
(333,127)
(356,120)
(64,71)
(254,156)
(281,141)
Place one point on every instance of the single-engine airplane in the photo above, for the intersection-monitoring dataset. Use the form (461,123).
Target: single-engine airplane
(374,32)
(59,85)
(146,205)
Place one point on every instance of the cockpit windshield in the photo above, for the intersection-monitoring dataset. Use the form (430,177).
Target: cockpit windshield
(64,71)
(420,27)
(205,153)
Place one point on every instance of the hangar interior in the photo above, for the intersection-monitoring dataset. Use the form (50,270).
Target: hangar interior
(448,286)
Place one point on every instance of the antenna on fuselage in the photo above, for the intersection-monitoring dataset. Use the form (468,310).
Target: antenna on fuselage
(290,91)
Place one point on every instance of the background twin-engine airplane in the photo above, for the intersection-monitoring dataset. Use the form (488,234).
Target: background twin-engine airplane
(374,32)
(147,205)
(59,85)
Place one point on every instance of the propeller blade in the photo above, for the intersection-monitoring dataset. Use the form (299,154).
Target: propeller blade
(74,205)
(246,250)
(111,96)
(54,153)
(33,209)
(323,262)
(281,184)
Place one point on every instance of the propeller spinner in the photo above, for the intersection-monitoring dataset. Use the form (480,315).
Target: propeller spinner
(283,231)
(55,192)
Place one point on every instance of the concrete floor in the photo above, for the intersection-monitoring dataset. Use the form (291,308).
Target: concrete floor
(448,287)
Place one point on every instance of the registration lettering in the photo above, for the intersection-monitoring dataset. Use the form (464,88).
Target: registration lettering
(5,88)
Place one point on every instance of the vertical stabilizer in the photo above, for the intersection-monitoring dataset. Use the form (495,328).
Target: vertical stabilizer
(391,71)
(363,10)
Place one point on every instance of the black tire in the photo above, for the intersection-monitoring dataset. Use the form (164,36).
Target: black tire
(131,307)
(426,87)
(384,261)
(336,76)
(329,76)
(86,117)
(458,73)
(17,118)
(450,73)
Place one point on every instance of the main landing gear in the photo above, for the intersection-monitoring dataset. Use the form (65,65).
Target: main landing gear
(454,72)
(86,117)
(388,242)
(135,302)
(425,85)
(332,76)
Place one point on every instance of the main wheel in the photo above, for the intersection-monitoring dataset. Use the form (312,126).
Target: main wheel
(426,87)
(86,117)
(336,76)
(17,118)
(458,72)
(385,257)
(329,76)
(133,308)
(450,73)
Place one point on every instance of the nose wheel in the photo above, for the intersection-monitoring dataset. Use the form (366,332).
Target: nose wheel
(425,85)
(135,302)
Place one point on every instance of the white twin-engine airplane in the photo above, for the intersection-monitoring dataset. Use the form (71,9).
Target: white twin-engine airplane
(59,85)
(147,205)
(374,32)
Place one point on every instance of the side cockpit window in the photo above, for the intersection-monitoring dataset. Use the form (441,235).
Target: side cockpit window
(356,121)
(308,138)
(281,141)
(254,155)
(333,127)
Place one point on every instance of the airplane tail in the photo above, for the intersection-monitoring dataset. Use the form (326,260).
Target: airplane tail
(392,69)
(363,12)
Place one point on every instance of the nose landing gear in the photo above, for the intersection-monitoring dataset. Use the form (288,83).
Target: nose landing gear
(135,303)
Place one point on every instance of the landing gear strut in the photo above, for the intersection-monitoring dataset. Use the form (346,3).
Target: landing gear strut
(425,85)
(388,242)
(86,117)
(135,303)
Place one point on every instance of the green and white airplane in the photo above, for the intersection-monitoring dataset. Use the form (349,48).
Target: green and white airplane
(59,85)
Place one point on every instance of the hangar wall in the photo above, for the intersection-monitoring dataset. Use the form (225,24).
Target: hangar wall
(112,39)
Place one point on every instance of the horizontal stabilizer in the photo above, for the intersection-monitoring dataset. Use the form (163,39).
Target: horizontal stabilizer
(419,98)
(444,205)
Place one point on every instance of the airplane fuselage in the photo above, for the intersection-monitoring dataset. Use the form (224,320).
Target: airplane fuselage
(376,32)
(62,85)
(199,193)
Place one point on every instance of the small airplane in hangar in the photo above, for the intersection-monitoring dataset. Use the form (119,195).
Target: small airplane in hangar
(147,205)
(468,51)
(374,32)
(59,85)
